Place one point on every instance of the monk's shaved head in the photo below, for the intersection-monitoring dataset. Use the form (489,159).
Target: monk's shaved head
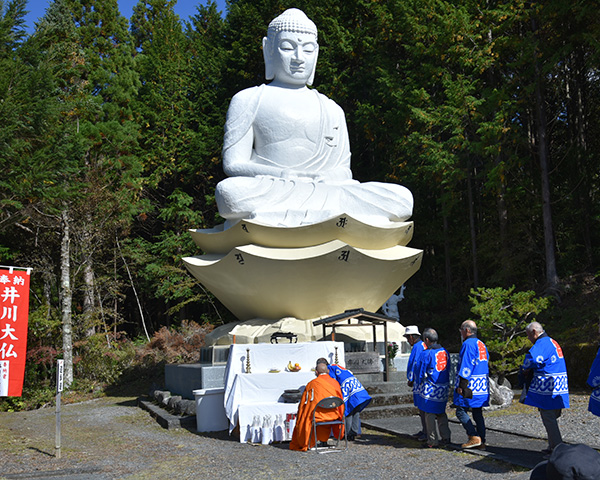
(322,368)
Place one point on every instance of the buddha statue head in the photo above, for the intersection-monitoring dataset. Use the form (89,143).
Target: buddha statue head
(290,49)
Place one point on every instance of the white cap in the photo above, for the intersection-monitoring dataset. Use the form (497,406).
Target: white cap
(412,330)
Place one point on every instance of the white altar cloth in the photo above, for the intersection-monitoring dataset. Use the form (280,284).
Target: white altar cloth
(258,392)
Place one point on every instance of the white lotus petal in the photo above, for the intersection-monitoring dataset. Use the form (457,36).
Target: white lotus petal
(343,227)
(309,282)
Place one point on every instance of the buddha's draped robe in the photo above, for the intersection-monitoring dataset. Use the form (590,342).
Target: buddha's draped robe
(321,387)
(289,202)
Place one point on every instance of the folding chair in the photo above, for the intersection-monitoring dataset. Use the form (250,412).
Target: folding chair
(329,403)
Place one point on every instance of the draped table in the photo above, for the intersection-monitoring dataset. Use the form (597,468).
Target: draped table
(259,393)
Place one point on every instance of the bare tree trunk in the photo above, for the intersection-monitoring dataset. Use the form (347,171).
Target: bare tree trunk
(501,190)
(503,226)
(66,297)
(576,80)
(88,297)
(552,279)
(448,263)
(134,291)
(472,230)
(89,303)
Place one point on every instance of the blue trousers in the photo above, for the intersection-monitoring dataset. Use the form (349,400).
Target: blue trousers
(477,430)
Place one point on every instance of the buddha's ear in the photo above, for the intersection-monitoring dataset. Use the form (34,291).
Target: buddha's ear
(268,56)
(312,75)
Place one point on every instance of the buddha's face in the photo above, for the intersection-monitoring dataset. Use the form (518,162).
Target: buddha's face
(294,58)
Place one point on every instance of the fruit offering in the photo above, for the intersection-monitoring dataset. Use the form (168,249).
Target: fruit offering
(293,367)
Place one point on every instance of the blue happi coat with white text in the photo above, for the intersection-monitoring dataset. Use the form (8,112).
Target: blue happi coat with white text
(549,389)
(356,397)
(433,378)
(594,382)
(473,366)
(416,351)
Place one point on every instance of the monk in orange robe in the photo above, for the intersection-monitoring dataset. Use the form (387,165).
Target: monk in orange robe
(321,387)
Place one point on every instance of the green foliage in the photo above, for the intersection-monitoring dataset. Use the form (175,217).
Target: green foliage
(503,315)
(36,396)
(44,326)
(39,382)
(101,359)
(123,129)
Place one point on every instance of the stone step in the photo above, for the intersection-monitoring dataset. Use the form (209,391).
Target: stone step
(387,399)
(393,377)
(388,387)
(369,377)
(387,411)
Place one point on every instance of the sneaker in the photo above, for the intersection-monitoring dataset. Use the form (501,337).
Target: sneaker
(473,442)
(418,434)
(481,447)
(422,438)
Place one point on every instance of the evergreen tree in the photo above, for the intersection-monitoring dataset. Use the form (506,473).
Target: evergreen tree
(179,145)
(90,55)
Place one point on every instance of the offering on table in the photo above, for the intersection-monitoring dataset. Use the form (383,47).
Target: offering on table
(274,370)
(293,367)
(291,396)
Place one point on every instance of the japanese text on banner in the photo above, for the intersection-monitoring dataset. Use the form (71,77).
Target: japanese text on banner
(14,312)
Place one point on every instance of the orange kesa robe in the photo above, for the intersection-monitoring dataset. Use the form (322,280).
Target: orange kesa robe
(317,389)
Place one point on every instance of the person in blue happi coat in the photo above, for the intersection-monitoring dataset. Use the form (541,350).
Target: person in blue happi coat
(356,397)
(594,382)
(472,385)
(549,387)
(413,337)
(433,379)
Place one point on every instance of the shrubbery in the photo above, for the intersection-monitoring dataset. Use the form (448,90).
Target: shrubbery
(104,361)
(101,359)
(180,345)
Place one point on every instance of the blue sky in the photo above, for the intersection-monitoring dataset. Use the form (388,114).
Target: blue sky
(183,8)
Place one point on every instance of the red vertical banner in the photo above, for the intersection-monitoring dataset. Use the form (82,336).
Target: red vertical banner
(14,316)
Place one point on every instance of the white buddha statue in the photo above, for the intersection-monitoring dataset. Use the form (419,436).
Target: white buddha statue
(286,149)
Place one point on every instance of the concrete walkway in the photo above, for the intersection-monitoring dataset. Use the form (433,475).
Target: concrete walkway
(507,447)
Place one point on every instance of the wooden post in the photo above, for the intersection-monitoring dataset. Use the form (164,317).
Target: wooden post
(374,337)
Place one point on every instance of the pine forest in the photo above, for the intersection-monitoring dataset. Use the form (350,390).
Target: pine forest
(110,150)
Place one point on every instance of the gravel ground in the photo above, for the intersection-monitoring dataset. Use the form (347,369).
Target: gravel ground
(577,425)
(112,438)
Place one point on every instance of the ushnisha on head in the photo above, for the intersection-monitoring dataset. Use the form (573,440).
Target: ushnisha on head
(290,49)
